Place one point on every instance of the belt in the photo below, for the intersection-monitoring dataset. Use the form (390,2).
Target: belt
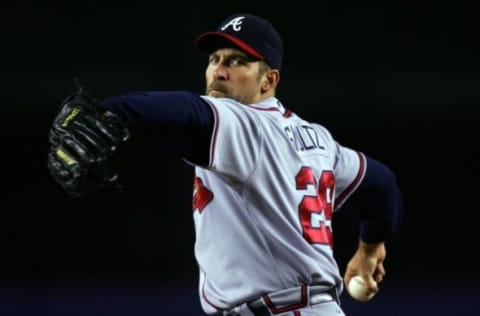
(291,299)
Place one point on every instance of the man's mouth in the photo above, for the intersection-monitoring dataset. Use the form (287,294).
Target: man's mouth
(216,93)
(217,90)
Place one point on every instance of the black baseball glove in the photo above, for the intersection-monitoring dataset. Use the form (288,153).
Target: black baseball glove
(83,138)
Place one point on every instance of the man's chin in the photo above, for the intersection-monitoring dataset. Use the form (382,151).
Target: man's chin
(216,94)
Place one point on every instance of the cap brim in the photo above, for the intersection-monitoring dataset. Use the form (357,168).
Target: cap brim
(211,41)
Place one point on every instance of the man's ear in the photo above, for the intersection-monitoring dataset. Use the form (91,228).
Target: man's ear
(270,80)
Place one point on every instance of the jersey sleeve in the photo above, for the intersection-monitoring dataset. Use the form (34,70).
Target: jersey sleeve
(349,169)
(348,165)
(235,147)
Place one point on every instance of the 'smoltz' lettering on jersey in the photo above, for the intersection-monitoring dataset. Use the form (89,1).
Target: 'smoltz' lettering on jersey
(235,23)
(201,195)
(303,137)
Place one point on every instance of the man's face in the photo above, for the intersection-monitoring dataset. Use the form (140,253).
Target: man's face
(233,74)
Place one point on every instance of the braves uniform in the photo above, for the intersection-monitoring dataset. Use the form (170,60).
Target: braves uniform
(266,181)
(263,207)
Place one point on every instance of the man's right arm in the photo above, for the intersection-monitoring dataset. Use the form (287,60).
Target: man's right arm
(377,204)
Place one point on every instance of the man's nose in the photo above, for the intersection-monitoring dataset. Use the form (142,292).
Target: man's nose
(220,72)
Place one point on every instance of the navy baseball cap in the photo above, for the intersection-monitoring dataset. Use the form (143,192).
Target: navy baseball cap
(252,34)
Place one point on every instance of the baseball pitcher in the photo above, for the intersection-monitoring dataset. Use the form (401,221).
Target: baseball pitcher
(267,182)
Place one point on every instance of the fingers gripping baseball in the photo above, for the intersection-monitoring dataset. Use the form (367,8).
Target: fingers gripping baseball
(83,138)
(367,263)
(379,272)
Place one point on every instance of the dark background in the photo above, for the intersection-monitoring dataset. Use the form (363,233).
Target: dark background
(397,80)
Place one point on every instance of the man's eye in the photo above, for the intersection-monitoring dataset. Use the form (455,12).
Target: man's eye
(236,62)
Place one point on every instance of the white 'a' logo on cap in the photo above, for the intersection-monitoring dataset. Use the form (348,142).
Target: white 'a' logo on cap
(236,24)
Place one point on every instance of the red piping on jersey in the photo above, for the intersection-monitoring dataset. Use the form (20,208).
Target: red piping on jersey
(286,113)
(355,182)
(264,109)
(204,295)
(275,310)
(215,132)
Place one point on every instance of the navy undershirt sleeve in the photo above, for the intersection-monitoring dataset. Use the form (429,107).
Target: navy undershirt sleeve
(377,203)
(180,122)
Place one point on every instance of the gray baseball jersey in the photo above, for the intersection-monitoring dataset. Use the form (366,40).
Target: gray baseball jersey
(263,207)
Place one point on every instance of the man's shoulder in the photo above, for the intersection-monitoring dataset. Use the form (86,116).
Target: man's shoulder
(221,102)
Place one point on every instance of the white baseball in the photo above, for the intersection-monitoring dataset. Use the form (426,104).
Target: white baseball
(358,290)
